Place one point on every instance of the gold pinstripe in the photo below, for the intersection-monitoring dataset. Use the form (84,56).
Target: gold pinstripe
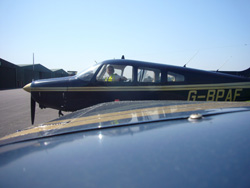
(239,85)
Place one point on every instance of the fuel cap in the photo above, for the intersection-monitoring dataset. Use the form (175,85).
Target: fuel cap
(194,117)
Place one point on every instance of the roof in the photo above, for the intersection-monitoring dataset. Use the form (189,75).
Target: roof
(36,66)
(27,65)
(61,71)
(134,62)
(195,73)
(4,63)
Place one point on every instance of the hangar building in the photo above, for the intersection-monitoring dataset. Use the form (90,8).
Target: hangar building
(8,74)
(59,73)
(26,73)
(17,76)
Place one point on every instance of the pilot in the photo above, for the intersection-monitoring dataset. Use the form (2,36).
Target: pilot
(112,76)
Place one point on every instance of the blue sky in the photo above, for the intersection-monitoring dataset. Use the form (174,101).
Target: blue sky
(73,34)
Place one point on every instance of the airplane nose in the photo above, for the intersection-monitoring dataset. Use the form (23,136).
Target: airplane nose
(27,87)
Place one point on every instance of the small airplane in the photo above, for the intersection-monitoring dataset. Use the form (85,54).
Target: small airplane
(128,80)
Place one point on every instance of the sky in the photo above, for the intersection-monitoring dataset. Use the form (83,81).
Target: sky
(74,34)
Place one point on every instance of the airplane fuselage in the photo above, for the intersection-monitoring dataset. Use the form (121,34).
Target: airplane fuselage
(143,81)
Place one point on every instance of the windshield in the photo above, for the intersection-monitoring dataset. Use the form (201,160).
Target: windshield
(88,74)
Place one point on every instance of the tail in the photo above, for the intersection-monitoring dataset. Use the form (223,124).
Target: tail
(244,73)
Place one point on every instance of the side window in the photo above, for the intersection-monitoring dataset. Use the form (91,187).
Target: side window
(174,77)
(128,73)
(148,75)
(115,73)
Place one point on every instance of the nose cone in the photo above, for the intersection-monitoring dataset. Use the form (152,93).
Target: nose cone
(27,87)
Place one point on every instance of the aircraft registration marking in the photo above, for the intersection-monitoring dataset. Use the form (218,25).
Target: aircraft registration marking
(215,94)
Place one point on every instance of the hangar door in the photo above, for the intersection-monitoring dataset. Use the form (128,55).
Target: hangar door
(7,78)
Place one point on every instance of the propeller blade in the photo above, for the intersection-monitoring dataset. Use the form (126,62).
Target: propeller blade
(32,109)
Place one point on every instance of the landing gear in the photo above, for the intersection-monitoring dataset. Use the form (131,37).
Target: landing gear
(60,113)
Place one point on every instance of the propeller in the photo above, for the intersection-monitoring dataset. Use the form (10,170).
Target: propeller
(32,109)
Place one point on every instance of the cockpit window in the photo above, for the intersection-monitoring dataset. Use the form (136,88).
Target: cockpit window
(174,77)
(87,74)
(115,73)
(148,75)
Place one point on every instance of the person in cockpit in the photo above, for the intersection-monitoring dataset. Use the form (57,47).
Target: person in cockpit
(112,77)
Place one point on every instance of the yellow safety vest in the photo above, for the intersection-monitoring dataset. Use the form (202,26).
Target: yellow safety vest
(110,78)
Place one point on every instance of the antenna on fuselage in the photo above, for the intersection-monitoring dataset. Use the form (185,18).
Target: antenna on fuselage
(191,58)
(123,57)
(223,64)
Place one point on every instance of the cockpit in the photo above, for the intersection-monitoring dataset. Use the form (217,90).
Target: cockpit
(129,73)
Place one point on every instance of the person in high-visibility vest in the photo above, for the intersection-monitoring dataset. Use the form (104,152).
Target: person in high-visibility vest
(112,76)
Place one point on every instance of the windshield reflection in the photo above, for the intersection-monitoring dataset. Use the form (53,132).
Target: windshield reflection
(88,74)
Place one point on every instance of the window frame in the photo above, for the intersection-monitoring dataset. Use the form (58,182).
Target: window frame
(169,71)
(147,68)
(102,71)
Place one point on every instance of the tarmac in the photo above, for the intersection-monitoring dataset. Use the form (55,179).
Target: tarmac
(15,112)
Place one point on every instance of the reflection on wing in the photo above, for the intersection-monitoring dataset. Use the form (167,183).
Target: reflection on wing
(122,114)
